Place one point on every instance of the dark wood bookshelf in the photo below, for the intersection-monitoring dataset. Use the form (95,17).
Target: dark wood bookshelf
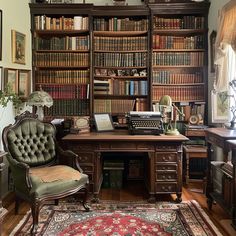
(122,24)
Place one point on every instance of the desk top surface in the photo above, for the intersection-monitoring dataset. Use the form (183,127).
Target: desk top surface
(222,132)
(122,135)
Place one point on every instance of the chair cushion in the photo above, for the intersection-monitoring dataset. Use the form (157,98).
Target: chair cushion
(54,180)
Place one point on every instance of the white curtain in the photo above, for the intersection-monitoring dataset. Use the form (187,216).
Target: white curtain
(225,60)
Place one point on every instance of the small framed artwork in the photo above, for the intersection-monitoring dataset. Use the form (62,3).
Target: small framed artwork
(0,35)
(11,78)
(103,122)
(220,107)
(18,47)
(24,83)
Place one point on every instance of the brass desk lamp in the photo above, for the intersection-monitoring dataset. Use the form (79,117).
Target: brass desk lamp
(166,106)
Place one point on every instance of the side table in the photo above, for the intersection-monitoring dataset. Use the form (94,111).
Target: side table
(193,152)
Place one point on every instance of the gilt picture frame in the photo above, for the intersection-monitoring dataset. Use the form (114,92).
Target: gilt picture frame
(11,77)
(103,122)
(24,83)
(18,47)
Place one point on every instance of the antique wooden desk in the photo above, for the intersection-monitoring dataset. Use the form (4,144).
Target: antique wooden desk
(3,211)
(163,174)
(220,137)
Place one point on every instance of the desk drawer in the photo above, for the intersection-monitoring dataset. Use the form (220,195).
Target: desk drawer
(166,176)
(86,157)
(164,147)
(87,168)
(126,146)
(81,147)
(166,167)
(166,157)
(166,187)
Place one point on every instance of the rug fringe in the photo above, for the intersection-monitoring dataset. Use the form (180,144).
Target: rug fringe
(206,216)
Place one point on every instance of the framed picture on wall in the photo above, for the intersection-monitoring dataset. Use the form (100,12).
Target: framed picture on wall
(11,78)
(24,83)
(18,47)
(220,107)
(0,34)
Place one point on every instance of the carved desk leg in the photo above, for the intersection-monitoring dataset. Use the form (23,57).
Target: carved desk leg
(209,186)
(234,189)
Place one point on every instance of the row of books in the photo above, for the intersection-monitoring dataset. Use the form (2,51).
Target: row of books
(113,105)
(174,42)
(120,87)
(171,77)
(178,58)
(61,59)
(62,43)
(120,43)
(120,72)
(62,76)
(120,24)
(185,22)
(68,107)
(44,22)
(179,93)
(62,91)
(120,59)
(197,167)
(141,104)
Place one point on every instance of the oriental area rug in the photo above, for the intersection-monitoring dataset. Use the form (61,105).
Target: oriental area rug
(121,219)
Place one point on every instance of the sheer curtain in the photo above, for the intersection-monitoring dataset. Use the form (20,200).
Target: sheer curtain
(225,59)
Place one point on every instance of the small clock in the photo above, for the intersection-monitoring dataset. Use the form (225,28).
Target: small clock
(193,120)
(81,122)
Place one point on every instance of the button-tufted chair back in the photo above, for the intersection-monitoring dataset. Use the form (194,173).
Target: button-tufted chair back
(32,142)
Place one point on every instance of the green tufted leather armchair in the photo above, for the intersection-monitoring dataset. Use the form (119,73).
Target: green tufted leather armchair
(41,170)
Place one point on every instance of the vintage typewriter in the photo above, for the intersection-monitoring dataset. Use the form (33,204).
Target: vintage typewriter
(147,122)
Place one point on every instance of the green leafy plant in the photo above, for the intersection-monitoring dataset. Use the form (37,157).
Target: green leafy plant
(8,95)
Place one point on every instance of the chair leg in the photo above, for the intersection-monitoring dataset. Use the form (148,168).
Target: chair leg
(35,216)
(85,205)
(17,204)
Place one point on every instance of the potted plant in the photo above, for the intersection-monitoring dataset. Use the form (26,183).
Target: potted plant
(8,95)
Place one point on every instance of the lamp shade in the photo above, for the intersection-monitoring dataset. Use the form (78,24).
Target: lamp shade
(165,100)
(40,98)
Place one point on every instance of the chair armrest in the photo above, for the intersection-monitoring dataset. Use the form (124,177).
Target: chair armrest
(20,173)
(69,158)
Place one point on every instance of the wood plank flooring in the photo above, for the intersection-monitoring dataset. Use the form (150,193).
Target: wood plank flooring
(133,191)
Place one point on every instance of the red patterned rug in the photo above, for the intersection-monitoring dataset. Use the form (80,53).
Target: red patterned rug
(121,219)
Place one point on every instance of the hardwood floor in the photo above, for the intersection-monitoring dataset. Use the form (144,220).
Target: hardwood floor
(133,191)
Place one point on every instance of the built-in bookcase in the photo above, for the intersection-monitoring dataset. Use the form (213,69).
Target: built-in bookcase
(114,59)
(179,55)
(61,56)
(120,60)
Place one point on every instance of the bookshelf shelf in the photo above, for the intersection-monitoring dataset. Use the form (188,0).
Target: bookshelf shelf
(119,33)
(61,32)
